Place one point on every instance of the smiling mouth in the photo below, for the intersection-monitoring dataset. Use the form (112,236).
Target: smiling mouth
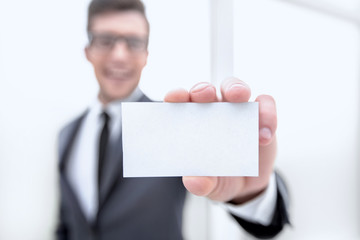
(118,74)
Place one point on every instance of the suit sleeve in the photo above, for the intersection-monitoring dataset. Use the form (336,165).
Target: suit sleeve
(279,220)
(61,231)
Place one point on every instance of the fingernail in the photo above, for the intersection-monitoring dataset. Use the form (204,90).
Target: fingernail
(265,133)
(199,87)
(235,85)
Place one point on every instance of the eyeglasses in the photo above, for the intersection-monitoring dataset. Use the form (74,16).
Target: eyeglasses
(104,43)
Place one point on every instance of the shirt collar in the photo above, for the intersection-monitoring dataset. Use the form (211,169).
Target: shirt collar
(114,108)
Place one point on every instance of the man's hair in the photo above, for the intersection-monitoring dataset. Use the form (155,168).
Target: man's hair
(98,7)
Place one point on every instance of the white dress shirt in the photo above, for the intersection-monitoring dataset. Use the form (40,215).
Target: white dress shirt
(260,209)
(83,160)
(83,164)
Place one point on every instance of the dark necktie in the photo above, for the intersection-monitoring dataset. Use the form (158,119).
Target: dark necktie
(104,138)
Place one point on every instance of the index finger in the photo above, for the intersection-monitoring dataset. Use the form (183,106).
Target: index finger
(235,90)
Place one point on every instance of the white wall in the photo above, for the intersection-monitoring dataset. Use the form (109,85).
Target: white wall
(309,61)
(179,48)
(42,71)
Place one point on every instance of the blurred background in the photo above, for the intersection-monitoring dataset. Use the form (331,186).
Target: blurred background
(305,53)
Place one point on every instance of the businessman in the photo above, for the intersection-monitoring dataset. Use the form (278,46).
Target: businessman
(96,201)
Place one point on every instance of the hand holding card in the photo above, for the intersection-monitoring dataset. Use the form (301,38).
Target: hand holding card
(235,189)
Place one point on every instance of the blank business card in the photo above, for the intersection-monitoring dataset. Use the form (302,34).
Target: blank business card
(190,139)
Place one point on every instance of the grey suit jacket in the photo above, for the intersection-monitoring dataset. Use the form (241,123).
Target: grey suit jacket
(131,208)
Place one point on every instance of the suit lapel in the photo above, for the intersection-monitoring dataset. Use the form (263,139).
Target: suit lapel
(66,143)
(66,140)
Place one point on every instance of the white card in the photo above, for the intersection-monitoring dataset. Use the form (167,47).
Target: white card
(190,139)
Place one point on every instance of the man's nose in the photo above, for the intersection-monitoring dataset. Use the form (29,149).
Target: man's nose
(120,51)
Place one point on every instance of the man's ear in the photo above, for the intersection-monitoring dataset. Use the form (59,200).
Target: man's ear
(87,53)
(147,55)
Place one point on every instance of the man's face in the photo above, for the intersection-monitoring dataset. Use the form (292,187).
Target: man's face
(118,52)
